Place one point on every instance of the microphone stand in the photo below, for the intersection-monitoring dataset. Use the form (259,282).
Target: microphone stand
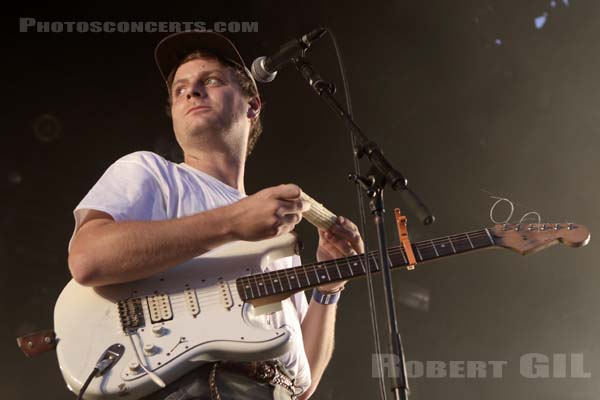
(380,174)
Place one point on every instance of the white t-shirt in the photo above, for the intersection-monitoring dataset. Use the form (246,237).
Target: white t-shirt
(143,186)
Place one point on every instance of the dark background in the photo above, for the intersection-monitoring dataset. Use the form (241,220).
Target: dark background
(466,98)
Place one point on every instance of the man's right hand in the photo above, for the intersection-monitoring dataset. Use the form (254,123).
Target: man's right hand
(268,213)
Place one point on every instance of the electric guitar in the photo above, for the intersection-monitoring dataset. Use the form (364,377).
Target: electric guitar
(142,335)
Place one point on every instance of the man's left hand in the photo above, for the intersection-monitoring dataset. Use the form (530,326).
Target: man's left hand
(341,240)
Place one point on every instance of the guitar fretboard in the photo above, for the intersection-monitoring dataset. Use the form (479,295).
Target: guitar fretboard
(291,280)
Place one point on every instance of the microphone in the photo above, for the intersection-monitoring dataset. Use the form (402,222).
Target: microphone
(264,69)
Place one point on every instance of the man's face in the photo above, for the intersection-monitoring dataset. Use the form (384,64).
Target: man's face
(207,104)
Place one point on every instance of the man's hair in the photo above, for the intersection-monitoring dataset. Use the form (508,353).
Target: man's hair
(245,82)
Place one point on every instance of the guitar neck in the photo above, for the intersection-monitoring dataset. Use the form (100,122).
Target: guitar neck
(282,283)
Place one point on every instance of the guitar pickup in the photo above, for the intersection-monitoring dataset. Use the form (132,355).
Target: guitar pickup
(191,300)
(159,307)
(225,292)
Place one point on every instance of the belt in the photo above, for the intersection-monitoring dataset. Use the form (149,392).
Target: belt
(262,371)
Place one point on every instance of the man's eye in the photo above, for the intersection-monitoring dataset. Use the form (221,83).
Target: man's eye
(179,91)
(213,81)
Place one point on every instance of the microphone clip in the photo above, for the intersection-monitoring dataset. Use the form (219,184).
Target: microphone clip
(313,78)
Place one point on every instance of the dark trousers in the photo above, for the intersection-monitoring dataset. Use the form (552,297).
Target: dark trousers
(230,386)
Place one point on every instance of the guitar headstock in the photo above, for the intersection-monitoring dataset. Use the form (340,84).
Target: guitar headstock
(527,238)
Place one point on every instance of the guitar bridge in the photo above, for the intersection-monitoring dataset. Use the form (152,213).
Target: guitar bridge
(131,314)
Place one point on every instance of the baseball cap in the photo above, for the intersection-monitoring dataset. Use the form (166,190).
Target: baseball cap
(173,48)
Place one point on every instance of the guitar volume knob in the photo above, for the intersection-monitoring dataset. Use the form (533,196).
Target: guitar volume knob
(149,349)
(158,330)
(134,366)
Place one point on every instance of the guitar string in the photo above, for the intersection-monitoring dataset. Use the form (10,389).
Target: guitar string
(209,299)
(203,296)
(214,299)
(425,245)
(275,278)
(455,240)
(330,266)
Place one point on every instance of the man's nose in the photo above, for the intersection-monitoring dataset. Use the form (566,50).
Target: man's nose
(197,91)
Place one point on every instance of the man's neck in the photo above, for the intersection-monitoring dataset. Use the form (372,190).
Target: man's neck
(226,167)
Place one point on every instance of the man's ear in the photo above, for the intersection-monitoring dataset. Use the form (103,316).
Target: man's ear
(254,107)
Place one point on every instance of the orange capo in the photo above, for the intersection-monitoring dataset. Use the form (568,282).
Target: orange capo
(404,240)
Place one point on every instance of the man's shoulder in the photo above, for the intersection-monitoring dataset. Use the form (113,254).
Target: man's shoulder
(146,158)
(141,165)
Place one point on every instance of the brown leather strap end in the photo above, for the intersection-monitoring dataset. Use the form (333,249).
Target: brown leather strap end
(37,342)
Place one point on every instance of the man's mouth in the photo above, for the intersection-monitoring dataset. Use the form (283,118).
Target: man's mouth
(197,109)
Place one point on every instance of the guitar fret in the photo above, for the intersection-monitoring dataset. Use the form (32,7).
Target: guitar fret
(250,284)
(299,279)
(257,285)
(451,244)
(285,271)
(460,245)
(389,259)
(349,263)
(326,268)
(375,261)
(307,279)
(262,277)
(418,252)
(279,280)
(360,259)
(442,247)
(481,239)
(404,260)
(425,250)
(394,257)
(338,269)
(244,284)
(316,273)
(471,243)
(270,279)
(296,278)
(489,236)
(434,249)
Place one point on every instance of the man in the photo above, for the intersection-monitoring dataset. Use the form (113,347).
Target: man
(146,215)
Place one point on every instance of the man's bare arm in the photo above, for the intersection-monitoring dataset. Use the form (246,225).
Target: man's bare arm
(318,326)
(104,251)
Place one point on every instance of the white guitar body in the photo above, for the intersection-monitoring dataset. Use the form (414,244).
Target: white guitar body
(200,318)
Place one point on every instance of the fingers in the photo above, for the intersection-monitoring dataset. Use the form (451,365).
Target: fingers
(292,207)
(287,192)
(291,219)
(327,252)
(289,213)
(347,231)
(335,245)
(289,199)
